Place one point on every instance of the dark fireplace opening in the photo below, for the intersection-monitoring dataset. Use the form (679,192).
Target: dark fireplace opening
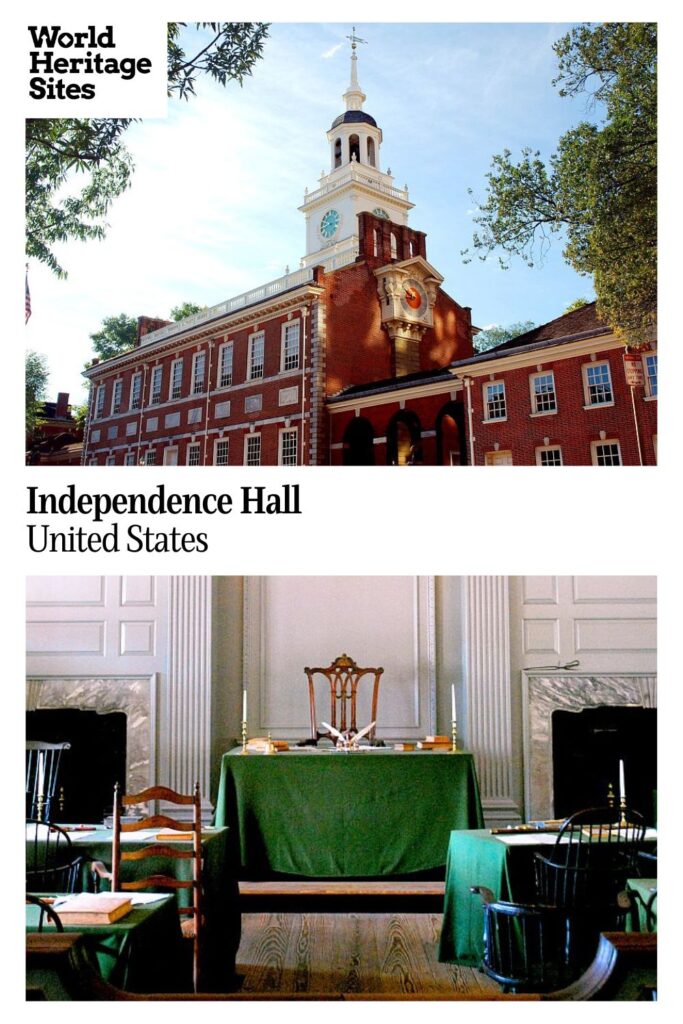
(89,770)
(587,748)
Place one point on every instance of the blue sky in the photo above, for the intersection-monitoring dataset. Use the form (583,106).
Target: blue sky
(212,210)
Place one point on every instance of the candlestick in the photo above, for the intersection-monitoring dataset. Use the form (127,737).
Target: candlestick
(41,774)
(452,702)
(454,737)
(244,736)
(244,705)
(622,785)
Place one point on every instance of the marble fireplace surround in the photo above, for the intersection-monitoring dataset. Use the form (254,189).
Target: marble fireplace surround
(135,696)
(568,691)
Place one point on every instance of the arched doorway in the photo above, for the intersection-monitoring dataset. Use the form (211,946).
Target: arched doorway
(404,440)
(451,447)
(359,449)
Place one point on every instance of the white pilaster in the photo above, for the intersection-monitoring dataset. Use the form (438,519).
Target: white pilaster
(488,688)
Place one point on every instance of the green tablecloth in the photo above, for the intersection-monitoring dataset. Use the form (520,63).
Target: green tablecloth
(641,890)
(142,952)
(334,815)
(221,894)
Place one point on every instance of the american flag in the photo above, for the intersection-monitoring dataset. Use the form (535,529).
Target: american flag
(27,304)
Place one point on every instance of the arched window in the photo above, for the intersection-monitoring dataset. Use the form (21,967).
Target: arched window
(354,147)
(359,449)
(371,152)
(337,152)
(376,242)
(394,246)
(451,448)
(404,440)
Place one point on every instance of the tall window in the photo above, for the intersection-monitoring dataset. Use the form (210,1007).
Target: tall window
(598,384)
(150,457)
(193,453)
(129,459)
(549,456)
(288,447)
(198,370)
(221,452)
(290,345)
(543,397)
(136,391)
(116,397)
(176,379)
(606,453)
(494,401)
(225,365)
(99,402)
(650,363)
(155,386)
(256,349)
(253,450)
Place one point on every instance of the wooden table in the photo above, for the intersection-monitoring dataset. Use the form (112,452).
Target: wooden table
(141,952)
(326,814)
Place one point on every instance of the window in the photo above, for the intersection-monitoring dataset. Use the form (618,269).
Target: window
(110,460)
(543,398)
(99,402)
(155,387)
(193,453)
(494,401)
(194,415)
(176,388)
(129,459)
(150,457)
(116,397)
(650,364)
(225,365)
(136,391)
(221,452)
(288,447)
(290,345)
(198,370)
(549,456)
(256,347)
(606,453)
(498,458)
(598,384)
(252,453)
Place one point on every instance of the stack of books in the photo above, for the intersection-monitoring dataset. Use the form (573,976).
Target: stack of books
(435,743)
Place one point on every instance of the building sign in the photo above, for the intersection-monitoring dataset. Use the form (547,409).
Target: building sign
(633,368)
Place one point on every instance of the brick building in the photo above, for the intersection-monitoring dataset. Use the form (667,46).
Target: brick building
(361,357)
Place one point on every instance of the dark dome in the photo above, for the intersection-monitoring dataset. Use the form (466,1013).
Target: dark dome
(353,117)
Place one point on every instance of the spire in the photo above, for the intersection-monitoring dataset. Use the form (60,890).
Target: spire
(354,95)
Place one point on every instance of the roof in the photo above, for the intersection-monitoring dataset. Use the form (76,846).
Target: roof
(580,321)
(353,117)
(393,383)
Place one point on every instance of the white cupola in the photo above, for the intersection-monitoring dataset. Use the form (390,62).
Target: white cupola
(354,184)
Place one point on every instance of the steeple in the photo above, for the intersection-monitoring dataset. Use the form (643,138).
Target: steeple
(354,95)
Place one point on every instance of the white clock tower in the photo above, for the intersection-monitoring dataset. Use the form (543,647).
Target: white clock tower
(355,183)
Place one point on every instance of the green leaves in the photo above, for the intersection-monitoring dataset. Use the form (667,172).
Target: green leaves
(599,190)
(36,378)
(117,334)
(229,54)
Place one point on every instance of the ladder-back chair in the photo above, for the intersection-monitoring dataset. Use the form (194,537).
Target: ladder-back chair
(343,677)
(191,913)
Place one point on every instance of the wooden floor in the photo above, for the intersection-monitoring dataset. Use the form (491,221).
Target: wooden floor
(393,954)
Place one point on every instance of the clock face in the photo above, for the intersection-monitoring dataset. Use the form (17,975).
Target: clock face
(379,212)
(413,297)
(329,224)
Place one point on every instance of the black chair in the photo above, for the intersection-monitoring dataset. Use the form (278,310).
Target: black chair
(46,911)
(42,772)
(596,851)
(524,945)
(52,865)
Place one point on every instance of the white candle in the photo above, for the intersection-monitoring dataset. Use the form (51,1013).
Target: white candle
(41,774)
(244,705)
(452,702)
(622,786)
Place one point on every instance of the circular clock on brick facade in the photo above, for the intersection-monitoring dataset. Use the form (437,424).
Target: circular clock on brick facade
(413,297)
(329,225)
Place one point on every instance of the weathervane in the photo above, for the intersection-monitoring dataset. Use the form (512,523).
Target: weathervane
(355,39)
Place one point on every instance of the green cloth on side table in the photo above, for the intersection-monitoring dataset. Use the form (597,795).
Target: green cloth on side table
(141,952)
(345,815)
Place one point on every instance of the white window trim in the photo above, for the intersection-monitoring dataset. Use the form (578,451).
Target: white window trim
(171,396)
(193,446)
(549,448)
(491,460)
(290,323)
(535,412)
(225,441)
(486,417)
(586,393)
(132,406)
(118,383)
(649,397)
(281,433)
(608,440)
(157,371)
(202,383)
(225,347)
(246,447)
(100,395)
(256,336)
